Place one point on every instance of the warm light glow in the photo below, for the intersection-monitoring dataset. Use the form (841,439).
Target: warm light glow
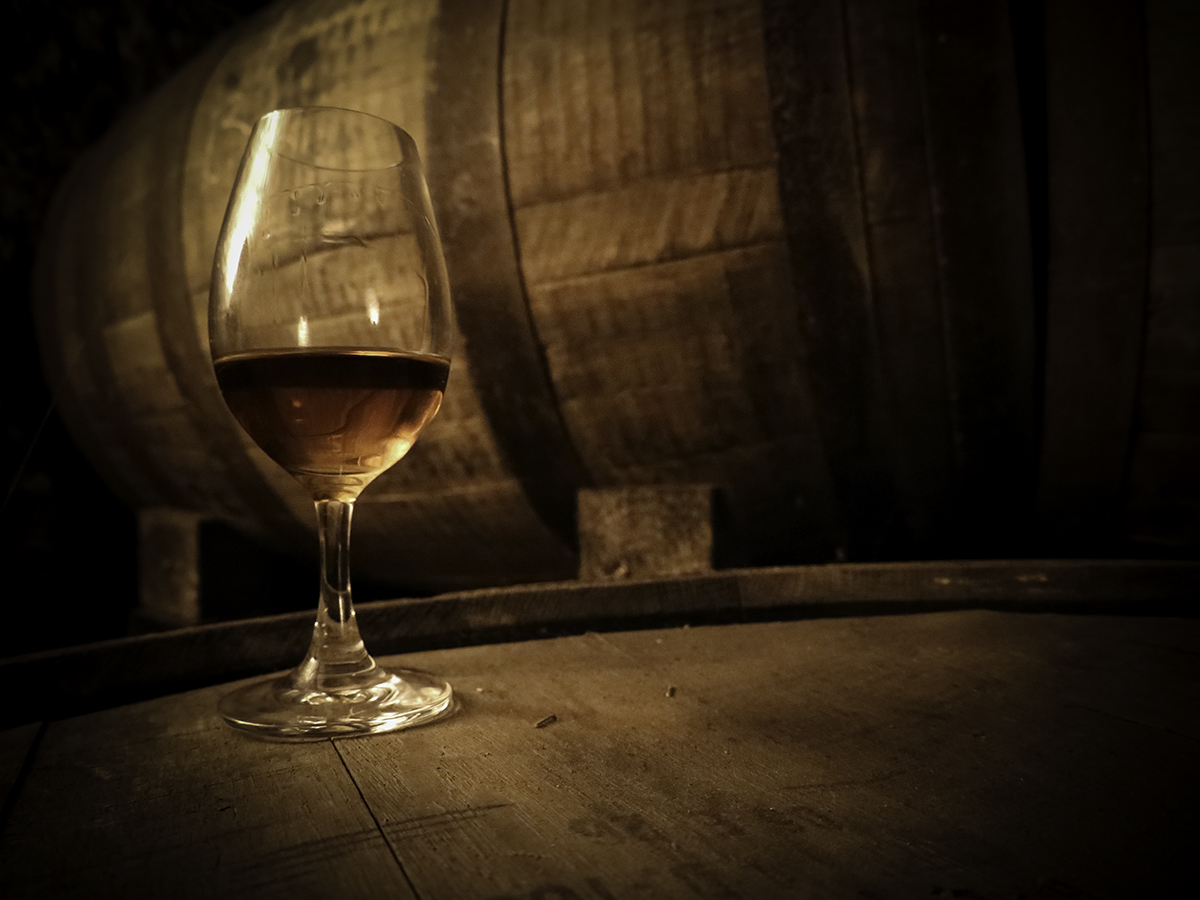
(246,200)
(302,332)
(372,306)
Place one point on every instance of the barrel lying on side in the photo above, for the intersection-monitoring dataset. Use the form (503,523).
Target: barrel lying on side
(768,247)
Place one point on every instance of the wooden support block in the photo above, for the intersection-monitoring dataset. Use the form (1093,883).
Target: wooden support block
(168,568)
(645,532)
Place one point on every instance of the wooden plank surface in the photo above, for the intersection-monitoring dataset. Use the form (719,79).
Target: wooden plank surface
(970,754)
(217,817)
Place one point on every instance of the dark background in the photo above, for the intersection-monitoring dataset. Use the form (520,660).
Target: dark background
(67,544)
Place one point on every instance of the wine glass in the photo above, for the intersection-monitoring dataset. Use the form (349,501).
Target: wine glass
(330,326)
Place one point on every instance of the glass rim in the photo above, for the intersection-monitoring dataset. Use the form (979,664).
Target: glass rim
(306,110)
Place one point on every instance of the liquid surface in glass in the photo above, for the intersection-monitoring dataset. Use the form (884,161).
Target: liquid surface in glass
(334,418)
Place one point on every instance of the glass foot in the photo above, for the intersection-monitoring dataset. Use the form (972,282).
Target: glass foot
(285,709)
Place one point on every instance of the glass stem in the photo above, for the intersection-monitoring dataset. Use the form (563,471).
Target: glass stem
(337,649)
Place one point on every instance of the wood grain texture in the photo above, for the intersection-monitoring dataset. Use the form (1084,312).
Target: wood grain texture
(157,802)
(1099,195)
(469,178)
(971,753)
(109,673)
(645,532)
(644,192)
(610,93)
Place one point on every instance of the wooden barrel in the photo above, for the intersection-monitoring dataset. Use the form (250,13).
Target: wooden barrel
(759,245)
(711,761)
(104,674)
